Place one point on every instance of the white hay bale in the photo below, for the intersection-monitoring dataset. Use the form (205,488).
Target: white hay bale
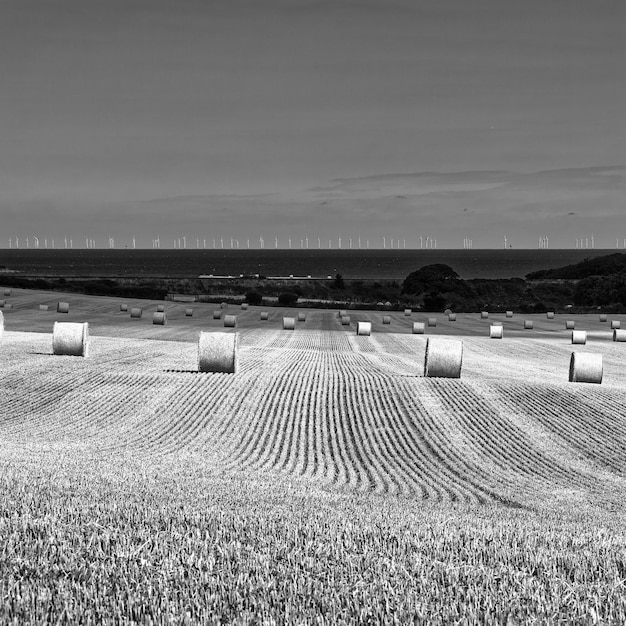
(230,321)
(484,315)
(217,352)
(585,367)
(407,312)
(444,358)
(136,312)
(63,307)
(579,337)
(3,303)
(528,324)
(570,325)
(160,308)
(509,313)
(615,324)
(418,328)
(550,315)
(364,328)
(70,338)
(8,292)
(619,335)
(43,307)
(603,317)
(244,306)
(452,317)
(124,307)
(217,315)
(342,313)
(345,320)
(432,321)
(496,331)
(289,323)
(265,315)
(302,317)
(386,319)
(188,312)
(159,318)
(224,305)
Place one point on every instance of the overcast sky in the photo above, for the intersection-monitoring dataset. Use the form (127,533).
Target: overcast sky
(313,118)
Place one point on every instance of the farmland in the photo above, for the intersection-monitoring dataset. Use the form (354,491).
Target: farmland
(328,479)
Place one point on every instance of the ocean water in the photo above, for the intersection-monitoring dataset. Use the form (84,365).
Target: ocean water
(351,264)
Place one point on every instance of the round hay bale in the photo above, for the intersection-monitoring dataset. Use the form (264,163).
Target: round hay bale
(244,306)
(342,313)
(70,338)
(265,315)
(43,307)
(585,367)
(8,292)
(528,324)
(550,315)
(364,328)
(224,305)
(63,307)
(509,314)
(432,321)
(136,312)
(484,315)
(160,308)
(230,321)
(407,312)
(386,319)
(579,337)
(496,331)
(217,352)
(452,317)
(418,328)
(615,324)
(289,323)
(217,315)
(3,303)
(447,312)
(619,335)
(444,358)
(603,317)
(188,312)
(159,318)
(302,317)
(124,307)
(345,320)
(570,325)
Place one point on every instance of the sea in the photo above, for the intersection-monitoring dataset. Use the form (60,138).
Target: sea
(351,264)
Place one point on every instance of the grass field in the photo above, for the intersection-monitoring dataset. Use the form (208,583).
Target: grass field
(327,481)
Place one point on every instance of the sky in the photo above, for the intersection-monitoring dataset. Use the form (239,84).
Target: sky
(452,119)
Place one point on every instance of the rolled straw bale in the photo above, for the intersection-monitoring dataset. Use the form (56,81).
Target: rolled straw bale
(289,323)
(528,324)
(217,315)
(230,321)
(123,307)
(619,335)
(159,318)
(160,308)
(7,292)
(43,307)
(386,319)
(224,305)
(452,317)
(345,320)
(443,358)
(188,312)
(484,315)
(432,321)
(70,338)
(244,306)
(509,313)
(63,307)
(585,367)
(217,352)
(570,325)
(418,328)
(265,315)
(615,324)
(603,317)
(343,313)
(407,312)
(302,317)
(364,328)
(447,312)
(496,331)
(579,337)
(550,315)
(136,312)
(3,303)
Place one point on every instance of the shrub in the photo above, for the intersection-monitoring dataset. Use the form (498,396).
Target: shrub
(254,298)
(287,298)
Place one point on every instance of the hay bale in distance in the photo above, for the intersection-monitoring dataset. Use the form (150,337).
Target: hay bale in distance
(8,292)
(217,315)
(217,352)
(43,307)
(364,328)
(418,328)
(570,325)
(160,308)
(124,307)
(615,324)
(528,324)
(386,319)
(444,358)
(136,312)
(224,305)
(3,303)
(188,312)
(230,321)
(496,331)
(585,367)
(619,335)
(603,317)
(70,338)
(244,306)
(452,317)
(345,320)
(302,317)
(265,316)
(159,318)
(509,314)
(63,307)
(342,313)
(407,312)
(432,321)
(289,323)
(579,337)
(550,315)
(484,315)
